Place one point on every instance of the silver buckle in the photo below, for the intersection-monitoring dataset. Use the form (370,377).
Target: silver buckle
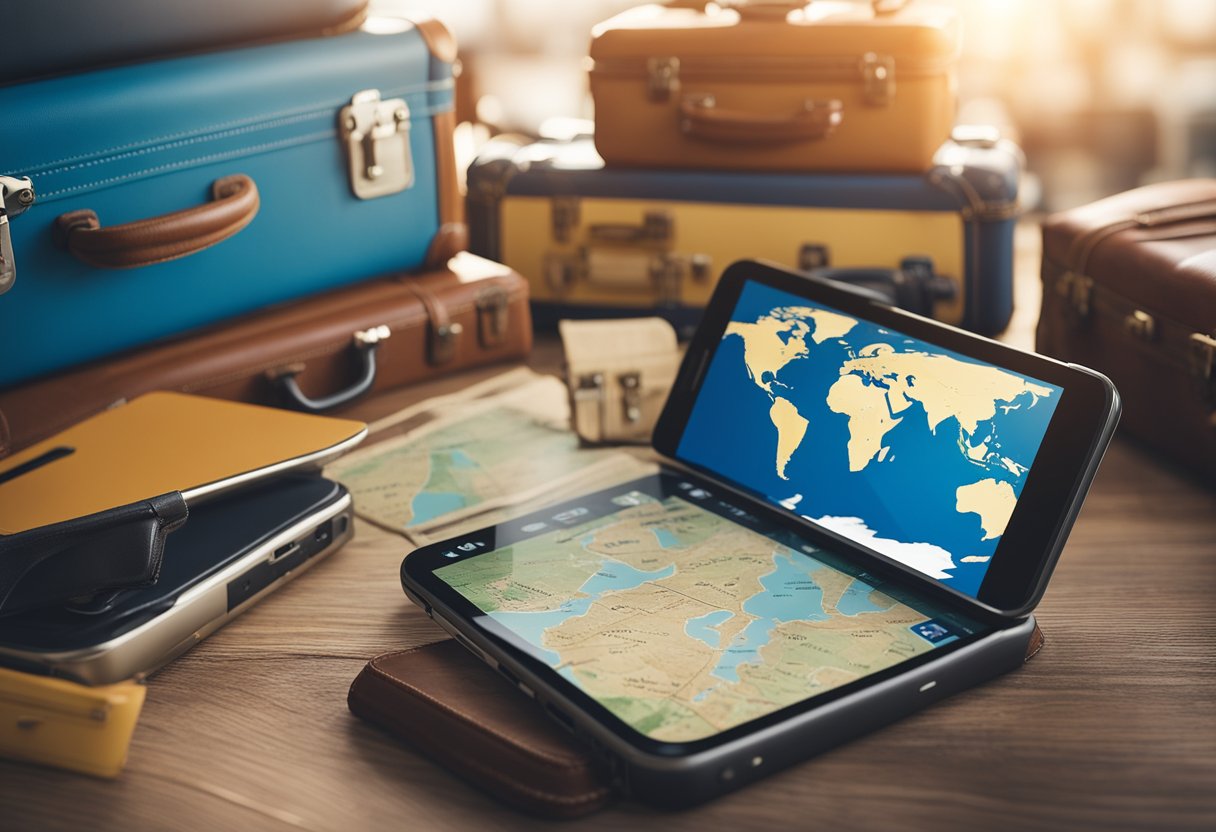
(377,138)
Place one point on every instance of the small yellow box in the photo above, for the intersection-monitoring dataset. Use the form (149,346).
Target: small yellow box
(67,725)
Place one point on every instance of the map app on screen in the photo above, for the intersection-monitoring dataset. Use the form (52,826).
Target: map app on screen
(685,621)
(912,450)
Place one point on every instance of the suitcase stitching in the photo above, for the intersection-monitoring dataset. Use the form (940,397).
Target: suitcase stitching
(214,157)
(317,107)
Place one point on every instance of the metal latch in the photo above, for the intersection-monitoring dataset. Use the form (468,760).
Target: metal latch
(631,396)
(377,138)
(878,79)
(662,78)
(1203,360)
(1077,291)
(16,194)
(563,214)
(493,316)
(442,346)
(1141,325)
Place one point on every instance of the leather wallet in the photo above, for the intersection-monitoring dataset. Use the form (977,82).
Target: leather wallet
(456,711)
(447,704)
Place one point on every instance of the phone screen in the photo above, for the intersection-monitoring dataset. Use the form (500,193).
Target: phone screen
(910,449)
(686,615)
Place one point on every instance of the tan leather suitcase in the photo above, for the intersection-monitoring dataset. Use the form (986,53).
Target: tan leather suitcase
(1129,288)
(775,85)
(314,355)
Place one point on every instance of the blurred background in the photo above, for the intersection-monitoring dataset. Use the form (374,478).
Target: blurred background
(1103,95)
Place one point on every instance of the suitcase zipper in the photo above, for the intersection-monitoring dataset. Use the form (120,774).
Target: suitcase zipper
(16,194)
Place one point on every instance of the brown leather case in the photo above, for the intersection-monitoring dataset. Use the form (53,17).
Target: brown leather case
(1129,288)
(458,712)
(443,701)
(372,337)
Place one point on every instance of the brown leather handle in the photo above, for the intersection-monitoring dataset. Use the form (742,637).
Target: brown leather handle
(234,203)
(701,118)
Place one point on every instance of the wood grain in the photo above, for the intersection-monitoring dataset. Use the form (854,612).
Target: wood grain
(1112,726)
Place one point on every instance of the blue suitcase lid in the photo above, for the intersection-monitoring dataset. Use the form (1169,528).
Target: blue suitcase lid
(977,175)
(127,123)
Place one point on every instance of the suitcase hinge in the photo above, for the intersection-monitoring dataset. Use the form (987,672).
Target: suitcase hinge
(377,138)
(1203,361)
(662,78)
(16,194)
(493,318)
(564,217)
(878,79)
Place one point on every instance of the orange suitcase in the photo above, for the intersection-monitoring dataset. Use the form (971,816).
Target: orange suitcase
(827,86)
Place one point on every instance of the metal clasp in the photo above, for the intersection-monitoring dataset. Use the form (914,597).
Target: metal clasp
(377,138)
(1141,325)
(563,216)
(16,194)
(631,396)
(442,346)
(1203,361)
(493,316)
(371,337)
(878,79)
(662,78)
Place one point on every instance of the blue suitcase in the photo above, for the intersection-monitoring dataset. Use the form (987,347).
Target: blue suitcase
(596,241)
(145,200)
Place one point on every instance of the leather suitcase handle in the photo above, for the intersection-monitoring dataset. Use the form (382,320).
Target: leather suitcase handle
(701,118)
(366,342)
(234,203)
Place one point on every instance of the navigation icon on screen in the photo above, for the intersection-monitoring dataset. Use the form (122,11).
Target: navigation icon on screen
(633,498)
(471,546)
(570,515)
(699,494)
(534,527)
(932,631)
(451,554)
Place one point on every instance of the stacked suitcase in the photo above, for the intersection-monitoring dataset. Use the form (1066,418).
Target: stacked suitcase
(816,136)
(147,202)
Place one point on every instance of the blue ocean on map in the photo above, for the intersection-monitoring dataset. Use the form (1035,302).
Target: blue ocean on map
(790,594)
(427,505)
(612,576)
(857,600)
(907,497)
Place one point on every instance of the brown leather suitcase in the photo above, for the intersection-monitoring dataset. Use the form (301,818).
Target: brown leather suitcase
(776,85)
(1129,288)
(314,355)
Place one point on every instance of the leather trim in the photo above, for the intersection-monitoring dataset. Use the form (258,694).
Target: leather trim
(438,38)
(451,204)
(234,203)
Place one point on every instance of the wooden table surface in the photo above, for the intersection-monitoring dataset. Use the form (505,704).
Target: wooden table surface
(1112,726)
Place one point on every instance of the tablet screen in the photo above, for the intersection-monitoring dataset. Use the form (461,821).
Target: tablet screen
(685,615)
(912,450)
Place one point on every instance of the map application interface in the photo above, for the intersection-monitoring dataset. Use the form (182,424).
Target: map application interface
(912,450)
(684,615)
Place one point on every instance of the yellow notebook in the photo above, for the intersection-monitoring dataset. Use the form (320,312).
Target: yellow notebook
(156,444)
(60,723)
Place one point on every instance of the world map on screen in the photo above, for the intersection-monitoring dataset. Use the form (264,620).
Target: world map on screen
(912,450)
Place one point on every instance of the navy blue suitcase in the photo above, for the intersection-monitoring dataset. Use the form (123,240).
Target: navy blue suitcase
(146,200)
(596,241)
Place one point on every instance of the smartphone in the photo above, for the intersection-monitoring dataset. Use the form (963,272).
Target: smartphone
(796,575)
(231,553)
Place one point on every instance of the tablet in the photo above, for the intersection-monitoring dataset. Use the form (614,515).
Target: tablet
(949,455)
(697,639)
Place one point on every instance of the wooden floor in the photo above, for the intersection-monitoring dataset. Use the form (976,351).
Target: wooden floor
(1112,726)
